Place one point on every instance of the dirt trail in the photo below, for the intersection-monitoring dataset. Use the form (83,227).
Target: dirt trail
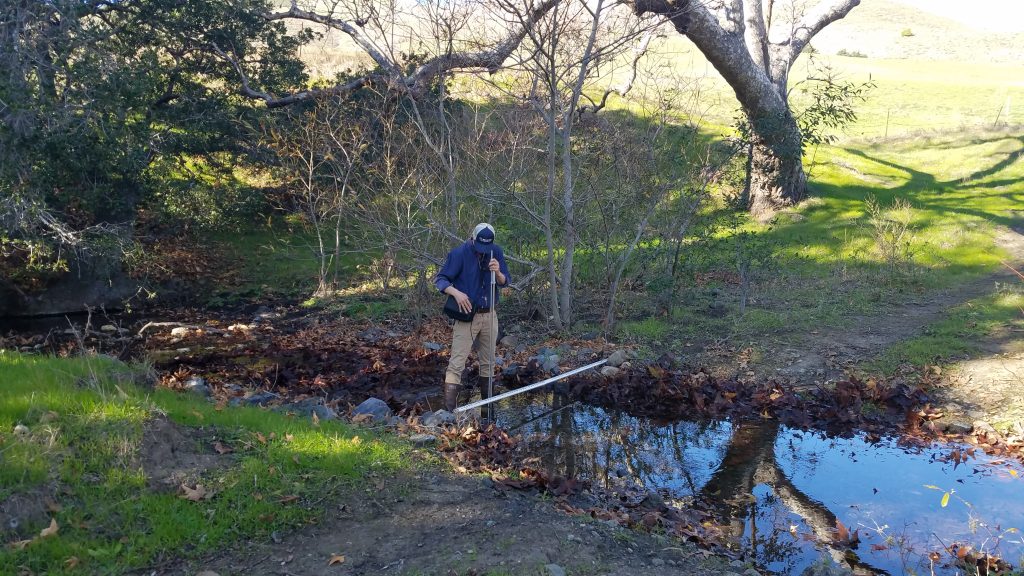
(986,388)
(435,523)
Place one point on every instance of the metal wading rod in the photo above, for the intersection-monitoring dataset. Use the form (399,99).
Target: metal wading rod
(494,332)
(511,393)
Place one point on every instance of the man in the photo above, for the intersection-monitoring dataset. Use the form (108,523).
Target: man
(466,277)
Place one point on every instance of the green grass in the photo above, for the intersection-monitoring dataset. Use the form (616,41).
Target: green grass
(957,336)
(275,261)
(86,420)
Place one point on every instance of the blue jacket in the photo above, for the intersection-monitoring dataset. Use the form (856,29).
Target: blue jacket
(467,271)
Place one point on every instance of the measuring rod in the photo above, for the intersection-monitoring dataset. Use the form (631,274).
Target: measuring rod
(510,393)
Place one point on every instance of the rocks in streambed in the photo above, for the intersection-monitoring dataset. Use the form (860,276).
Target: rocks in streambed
(432,346)
(198,385)
(618,358)
(375,408)
(260,398)
(308,408)
(436,419)
(609,371)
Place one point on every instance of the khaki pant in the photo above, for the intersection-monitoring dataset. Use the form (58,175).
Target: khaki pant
(483,331)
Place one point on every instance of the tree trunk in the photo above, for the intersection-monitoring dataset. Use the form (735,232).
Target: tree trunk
(777,178)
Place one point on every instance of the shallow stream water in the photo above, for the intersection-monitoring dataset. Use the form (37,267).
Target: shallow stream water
(782,492)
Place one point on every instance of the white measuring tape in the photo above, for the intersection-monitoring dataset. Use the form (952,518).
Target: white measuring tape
(510,393)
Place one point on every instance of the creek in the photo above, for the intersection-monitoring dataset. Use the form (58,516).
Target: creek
(782,493)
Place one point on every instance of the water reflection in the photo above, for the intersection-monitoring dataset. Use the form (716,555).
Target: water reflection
(781,492)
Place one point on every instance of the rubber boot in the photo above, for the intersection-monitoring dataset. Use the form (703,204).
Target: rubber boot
(487,410)
(451,396)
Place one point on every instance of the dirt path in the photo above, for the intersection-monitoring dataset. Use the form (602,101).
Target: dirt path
(435,523)
(986,388)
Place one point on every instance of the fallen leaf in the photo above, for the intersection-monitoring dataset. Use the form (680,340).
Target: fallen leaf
(19,545)
(51,530)
(288,499)
(261,438)
(197,414)
(52,506)
(221,449)
(316,419)
(289,437)
(1013,473)
(842,532)
(356,440)
(945,500)
(72,562)
(193,495)
(336,559)
(879,547)
(295,458)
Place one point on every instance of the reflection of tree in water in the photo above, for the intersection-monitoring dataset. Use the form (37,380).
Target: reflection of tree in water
(603,446)
(750,461)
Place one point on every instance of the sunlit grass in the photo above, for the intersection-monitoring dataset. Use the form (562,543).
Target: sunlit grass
(86,421)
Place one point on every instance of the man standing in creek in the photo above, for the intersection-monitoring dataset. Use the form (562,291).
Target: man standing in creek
(466,278)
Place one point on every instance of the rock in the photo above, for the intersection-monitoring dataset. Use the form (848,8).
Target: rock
(520,348)
(617,358)
(510,341)
(590,336)
(439,418)
(198,385)
(421,440)
(266,314)
(260,398)
(239,328)
(751,572)
(432,346)
(21,430)
(108,328)
(609,371)
(954,426)
(982,427)
(584,353)
(657,562)
(737,564)
(70,331)
(179,331)
(668,361)
(554,570)
(551,363)
(625,365)
(235,402)
(234,388)
(375,407)
(512,371)
(308,407)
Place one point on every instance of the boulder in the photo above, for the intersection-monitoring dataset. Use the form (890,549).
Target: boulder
(432,346)
(108,328)
(609,371)
(510,341)
(375,407)
(617,358)
(179,331)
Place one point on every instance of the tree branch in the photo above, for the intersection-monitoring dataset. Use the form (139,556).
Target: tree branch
(414,84)
(814,21)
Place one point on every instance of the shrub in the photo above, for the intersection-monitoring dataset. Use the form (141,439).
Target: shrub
(907,33)
(851,53)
